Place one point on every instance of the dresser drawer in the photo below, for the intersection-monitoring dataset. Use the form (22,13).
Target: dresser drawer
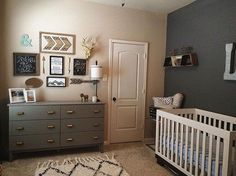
(76,111)
(34,127)
(86,124)
(34,112)
(82,138)
(33,142)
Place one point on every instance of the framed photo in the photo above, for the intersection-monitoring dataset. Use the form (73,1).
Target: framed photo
(79,67)
(56,81)
(57,43)
(26,64)
(30,95)
(56,65)
(16,95)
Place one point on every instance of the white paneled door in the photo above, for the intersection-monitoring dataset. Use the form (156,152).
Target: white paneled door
(127,90)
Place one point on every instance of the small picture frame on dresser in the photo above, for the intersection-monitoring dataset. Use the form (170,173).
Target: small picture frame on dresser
(16,95)
(30,95)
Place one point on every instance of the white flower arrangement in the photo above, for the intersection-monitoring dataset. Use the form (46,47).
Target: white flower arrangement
(88,45)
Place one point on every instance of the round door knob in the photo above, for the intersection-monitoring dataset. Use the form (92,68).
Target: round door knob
(114,99)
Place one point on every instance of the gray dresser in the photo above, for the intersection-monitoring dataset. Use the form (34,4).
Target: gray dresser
(55,125)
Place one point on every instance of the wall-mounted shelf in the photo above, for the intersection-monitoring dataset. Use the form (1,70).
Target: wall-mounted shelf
(181,60)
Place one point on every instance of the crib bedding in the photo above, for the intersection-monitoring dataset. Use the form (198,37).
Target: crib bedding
(194,152)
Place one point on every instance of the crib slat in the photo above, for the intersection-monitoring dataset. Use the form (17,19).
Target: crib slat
(197,153)
(164,138)
(203,153)
(227,157)
(225,125)
(210,156)
(157,133)
(231,126)
(176,142)
(181,144)
(168,139)
(161,136)
(234,159)
(172,139)
(191,151)
(217,156)
(186,149)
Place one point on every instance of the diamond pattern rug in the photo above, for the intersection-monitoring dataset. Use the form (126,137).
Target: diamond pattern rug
(87,166)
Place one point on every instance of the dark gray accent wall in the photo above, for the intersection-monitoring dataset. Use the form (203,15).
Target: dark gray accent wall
(206,25)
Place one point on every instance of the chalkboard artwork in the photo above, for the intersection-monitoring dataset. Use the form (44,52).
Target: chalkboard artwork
(26,64)
(79,67)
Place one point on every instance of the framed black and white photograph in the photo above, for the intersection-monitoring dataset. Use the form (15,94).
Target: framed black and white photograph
(56,81)
(79,67)
(26,64)
(30,95)
(16,95)
(57,43)
(56,65)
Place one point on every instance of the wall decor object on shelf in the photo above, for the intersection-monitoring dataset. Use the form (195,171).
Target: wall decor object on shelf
(56,65)
(230,73)
(16,95)
(30,95)
(33,83)
(79,67)
(57,43)
(56,81)
(181,60)
(26,64)
(26,41)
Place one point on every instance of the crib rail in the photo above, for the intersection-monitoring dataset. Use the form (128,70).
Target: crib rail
(194,147)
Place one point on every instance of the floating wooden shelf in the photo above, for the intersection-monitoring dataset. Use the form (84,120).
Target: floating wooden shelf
(181,60)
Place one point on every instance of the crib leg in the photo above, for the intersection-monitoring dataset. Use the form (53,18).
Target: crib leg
(160,161)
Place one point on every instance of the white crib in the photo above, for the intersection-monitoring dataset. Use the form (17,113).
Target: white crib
(196,142)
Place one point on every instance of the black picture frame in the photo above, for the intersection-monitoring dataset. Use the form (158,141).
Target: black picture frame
(56,65)
(79,67)
(26,64)
(56,81)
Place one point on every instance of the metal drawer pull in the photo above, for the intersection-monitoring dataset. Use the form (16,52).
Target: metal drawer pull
(51,126)
(95,137)
(70,126)
(96,125)
(51,141)
(19,143)
(69,112)
(20,128)
(51,112)
(69,139)
(96,111)
(20,113)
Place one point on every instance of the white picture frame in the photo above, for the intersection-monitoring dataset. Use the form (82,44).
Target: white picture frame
(16,95)
(30,95)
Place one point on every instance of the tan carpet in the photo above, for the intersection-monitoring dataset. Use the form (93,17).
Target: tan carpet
(136,158)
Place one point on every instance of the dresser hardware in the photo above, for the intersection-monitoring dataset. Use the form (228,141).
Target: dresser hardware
(51,112)
(96,124)
(69,139)
(96,111)
(19,143)
(69,112)
(95,137)
(70,126)
(51,141)
(51,126)
(20,113)
(20,128)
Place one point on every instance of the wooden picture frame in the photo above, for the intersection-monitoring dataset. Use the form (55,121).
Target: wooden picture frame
(56,65)
(57,43)
(79,67)
(16,95)
(30,95)
(26,64)
(56,81)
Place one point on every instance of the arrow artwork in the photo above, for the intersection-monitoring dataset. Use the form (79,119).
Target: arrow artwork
(57,43)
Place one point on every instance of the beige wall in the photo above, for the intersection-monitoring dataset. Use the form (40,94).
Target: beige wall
(83,19)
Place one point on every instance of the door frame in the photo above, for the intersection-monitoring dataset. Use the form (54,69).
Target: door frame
(111,43)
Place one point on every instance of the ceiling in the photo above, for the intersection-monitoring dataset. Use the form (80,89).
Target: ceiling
(157,6)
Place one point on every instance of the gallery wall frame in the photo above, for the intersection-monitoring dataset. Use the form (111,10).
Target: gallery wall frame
(56,65)
(26,64)
(57,43)
(16,95)
(79,67)
(56,81)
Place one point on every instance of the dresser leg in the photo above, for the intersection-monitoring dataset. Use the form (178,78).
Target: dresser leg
(101,148)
